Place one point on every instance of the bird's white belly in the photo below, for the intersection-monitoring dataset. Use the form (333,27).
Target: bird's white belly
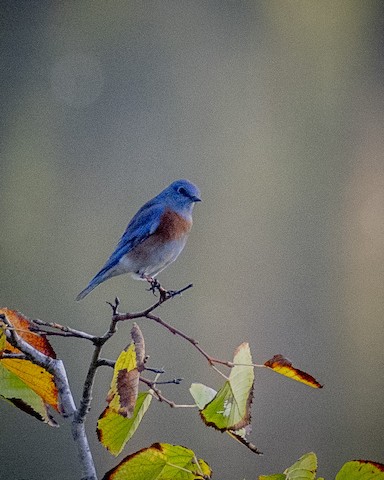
(149,259)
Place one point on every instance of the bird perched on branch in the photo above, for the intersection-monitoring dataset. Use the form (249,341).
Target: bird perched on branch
(154,237)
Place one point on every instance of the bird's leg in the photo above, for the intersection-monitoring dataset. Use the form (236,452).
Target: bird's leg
(155,285)
(152,281)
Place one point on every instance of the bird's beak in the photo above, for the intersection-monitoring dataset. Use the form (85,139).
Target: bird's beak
(196,199)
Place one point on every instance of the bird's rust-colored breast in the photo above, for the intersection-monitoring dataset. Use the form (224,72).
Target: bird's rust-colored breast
(173,226)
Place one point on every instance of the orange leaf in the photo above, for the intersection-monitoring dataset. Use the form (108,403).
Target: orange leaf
(23,325)
(283,366)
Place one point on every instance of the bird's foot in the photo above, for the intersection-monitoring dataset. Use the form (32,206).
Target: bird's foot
(155,286)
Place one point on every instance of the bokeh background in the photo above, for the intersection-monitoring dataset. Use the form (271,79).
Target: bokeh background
(275,109)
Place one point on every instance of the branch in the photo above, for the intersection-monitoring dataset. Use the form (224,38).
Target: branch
(17,356)
(64,331)
(159,396)
(117,317)
(120,317)
(195,343)
(56,367)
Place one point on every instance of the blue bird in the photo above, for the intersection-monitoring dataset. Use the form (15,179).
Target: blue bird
(154,237)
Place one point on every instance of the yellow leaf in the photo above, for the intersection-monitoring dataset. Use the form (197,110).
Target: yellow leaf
(21,396)
(283,366)
(35,377)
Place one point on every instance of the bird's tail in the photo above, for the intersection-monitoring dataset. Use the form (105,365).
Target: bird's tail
(106,272)
(86,290)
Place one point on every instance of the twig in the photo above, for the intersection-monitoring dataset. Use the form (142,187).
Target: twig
(57,368)
(17,356)
(157,394)
(175,331)
(119,317)
(64,331)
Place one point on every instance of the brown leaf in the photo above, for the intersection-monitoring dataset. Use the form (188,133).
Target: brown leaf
(138,340)
(127,389)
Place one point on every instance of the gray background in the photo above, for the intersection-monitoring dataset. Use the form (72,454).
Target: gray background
(275,109)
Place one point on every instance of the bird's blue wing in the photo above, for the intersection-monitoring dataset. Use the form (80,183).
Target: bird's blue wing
(142,225)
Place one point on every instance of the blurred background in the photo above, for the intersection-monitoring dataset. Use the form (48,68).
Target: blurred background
(275,109)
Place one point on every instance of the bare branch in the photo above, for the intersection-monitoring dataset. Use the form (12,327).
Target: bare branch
(64,331)
(160,397)
(18,356)
(119,317)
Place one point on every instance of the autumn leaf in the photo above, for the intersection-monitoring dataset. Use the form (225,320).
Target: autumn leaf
(361,470)
(138,340)
(14,390)
(119,421)
(22,381)
(24,328)
(123,392)
(161,461)
(282,365)
(35,378)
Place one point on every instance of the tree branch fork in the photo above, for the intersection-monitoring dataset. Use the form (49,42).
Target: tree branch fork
(68,409)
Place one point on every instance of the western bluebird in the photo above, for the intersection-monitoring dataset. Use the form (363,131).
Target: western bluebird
(154,237)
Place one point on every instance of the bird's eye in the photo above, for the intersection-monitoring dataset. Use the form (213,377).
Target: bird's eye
(182,191)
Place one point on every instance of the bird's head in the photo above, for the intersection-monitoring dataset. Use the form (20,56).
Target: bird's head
(182,194)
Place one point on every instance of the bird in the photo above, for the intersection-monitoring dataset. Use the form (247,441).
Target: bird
(154,237)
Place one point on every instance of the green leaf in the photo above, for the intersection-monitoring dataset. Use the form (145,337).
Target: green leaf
(361,470)
(278,476)
(161,461)
(13,389)
(202,394)
(114,430)
(230,408)
(304,469)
